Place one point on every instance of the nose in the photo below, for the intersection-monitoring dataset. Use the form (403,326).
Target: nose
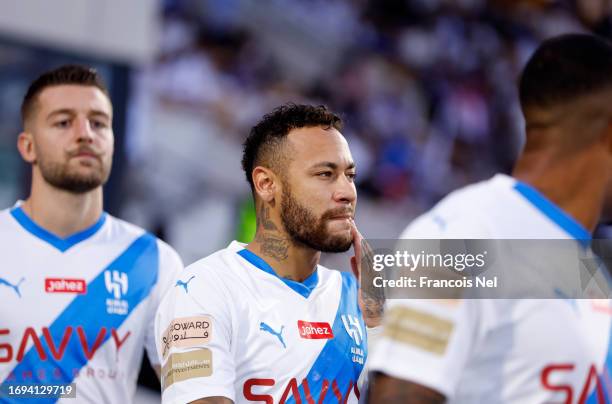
(84,131)
(345,192)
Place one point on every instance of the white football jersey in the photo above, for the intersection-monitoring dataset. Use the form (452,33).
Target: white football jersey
(80,309)
(499,351)
(231,327)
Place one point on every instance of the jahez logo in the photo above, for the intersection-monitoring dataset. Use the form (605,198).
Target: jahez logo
(62,285)
(310,330)
(57,346)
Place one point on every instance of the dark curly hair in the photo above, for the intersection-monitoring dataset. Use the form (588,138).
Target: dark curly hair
(263,145)
(66,74)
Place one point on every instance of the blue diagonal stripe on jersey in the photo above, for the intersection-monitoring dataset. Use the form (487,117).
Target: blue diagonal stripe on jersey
(605,378)
(334,362)
(140,262)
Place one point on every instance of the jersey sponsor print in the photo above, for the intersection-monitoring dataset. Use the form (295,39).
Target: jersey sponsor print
(240,331)
(81,309)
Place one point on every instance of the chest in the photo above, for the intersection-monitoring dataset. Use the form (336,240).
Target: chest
(74,301)
(300,343)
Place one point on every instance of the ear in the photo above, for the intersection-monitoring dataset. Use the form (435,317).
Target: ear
(25,145)
(265,183)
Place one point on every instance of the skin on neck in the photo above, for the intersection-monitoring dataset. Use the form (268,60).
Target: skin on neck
(288,259)
(61,212)
(575,180)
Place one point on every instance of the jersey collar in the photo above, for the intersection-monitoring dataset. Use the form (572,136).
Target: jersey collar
(302,288)
(554,213)
(61,244)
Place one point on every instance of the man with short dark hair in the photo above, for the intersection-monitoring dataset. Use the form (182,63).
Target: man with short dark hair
(265,321)
(79,288)
(523,350)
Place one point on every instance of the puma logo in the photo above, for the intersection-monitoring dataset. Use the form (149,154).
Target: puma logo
(265,327)
(184,284)
(15,287)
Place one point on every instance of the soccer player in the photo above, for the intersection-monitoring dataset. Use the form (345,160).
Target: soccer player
(264,321)
(78,287)
(519,351)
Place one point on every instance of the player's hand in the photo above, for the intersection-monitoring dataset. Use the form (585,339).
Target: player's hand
(371,299)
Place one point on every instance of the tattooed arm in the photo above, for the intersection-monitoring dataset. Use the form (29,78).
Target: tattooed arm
(371,299)
(389,390)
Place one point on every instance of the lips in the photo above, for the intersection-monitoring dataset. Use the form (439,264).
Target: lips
(86,153)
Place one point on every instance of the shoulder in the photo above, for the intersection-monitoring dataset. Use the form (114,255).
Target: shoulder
(213,271)
(468,212)
(6,220)
(118,229)
(201,287)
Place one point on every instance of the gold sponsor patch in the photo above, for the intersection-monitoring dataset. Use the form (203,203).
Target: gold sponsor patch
(187,332)
(419,329)
(187,365)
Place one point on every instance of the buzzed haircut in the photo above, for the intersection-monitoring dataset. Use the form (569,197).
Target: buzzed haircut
(565,68)
(262,146)
(66,74)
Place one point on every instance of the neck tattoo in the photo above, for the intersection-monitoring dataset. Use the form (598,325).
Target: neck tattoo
(273,244)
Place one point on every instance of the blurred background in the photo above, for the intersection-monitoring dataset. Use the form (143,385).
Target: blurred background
(427,89)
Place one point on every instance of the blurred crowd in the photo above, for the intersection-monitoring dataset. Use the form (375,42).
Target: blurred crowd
(427,90)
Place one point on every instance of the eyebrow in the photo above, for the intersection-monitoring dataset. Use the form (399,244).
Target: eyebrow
(68,111)
(333,166)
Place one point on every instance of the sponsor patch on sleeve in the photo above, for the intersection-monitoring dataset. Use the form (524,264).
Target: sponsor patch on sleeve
(187,365)
(419,329)
(187,332)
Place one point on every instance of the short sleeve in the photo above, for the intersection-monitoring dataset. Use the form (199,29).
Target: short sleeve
(427,342)
(193,329)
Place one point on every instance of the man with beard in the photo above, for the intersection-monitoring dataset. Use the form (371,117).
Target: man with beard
(265,321)
(79,288)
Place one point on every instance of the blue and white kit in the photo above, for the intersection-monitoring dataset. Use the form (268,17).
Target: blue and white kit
(231,327)
(500,351)
(80,309)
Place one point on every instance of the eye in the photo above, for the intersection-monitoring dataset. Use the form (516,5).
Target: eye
(352,176)
(62,124)
(325,174)
(98,124)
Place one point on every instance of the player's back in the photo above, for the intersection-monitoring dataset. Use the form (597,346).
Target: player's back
(256,336)
(501,351)
(80,309)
